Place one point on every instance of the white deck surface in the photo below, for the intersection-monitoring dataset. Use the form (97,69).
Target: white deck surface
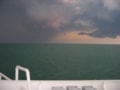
(56,84)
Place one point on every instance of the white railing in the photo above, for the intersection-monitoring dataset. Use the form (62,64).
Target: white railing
(4,76)
(27,74)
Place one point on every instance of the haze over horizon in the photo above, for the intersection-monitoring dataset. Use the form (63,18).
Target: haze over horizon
(60,21)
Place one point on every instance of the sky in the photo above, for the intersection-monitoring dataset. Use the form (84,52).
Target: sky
(60,21)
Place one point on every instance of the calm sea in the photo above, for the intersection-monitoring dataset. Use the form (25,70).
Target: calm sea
(61,61)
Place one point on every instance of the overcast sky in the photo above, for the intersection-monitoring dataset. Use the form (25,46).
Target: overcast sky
(60,21)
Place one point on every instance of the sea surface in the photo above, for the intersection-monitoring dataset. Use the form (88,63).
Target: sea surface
(61,61)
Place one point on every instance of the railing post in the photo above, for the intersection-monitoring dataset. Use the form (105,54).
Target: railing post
(0,77)
(27,74)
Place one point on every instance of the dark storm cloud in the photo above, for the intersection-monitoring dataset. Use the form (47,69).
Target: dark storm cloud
(107,28)
(41,20)
(16,26)
(105,19)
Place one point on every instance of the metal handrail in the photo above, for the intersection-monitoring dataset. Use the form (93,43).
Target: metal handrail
(4,76)
(27,74)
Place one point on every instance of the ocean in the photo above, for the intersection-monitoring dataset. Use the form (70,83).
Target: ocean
(61,61)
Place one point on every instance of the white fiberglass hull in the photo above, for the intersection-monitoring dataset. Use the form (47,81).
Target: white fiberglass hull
(60,85)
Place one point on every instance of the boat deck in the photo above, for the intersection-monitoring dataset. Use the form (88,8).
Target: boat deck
(60,85)
(29,84)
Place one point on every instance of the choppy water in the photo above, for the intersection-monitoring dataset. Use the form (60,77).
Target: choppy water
(62,61)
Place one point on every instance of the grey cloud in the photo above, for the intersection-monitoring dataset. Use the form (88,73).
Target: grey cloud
(31,20)
(16,26)
(112,4)
(106,22)
(108,28)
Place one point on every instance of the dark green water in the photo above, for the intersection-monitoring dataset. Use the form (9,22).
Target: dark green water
(62,61)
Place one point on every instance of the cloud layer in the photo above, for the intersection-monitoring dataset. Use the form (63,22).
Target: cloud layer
(41,20)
